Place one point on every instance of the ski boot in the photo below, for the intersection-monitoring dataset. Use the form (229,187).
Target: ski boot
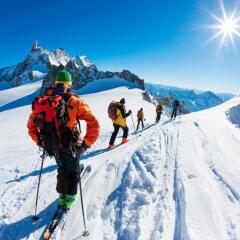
(67,200)
(110,146)
(124,140)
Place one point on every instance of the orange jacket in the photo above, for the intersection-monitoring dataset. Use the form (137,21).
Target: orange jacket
(77,110)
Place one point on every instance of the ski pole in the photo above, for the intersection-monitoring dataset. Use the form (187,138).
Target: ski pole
(85,232)
(35,218)
(135,131)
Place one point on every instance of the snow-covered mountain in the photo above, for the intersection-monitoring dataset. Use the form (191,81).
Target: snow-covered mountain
(194,100)
(173,181)
(42,63)
(34,67)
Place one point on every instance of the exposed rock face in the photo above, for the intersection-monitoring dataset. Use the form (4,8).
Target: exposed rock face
(149,98)
(82,75)
(131,78)
(43,63)
(35,46)
(35,66)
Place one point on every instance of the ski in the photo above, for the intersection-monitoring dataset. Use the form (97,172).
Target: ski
(118,145)
(59,217)
(56,219)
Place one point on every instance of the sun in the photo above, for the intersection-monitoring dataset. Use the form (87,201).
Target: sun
(227,26)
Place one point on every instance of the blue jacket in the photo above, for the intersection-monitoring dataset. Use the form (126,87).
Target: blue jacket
(175,104)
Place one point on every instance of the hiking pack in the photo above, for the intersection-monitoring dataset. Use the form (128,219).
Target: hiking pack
(159,108)
(51,117)
(112,110)
(139,114)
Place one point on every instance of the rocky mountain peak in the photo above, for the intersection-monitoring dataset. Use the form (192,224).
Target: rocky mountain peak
(35,46)
(42,63)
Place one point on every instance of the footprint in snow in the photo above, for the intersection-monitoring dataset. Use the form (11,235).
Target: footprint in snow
(91,211)
(110,167)
(191,176)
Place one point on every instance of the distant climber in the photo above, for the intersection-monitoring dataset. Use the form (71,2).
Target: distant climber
(140,118)
(175,107)
(52,125)
(118,115)
(159,110)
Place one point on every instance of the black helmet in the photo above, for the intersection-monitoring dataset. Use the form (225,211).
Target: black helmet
(122,101)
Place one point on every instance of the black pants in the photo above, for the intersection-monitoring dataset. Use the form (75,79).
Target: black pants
(158,117)
(115,132)
(140,121)
(174,113)
(68,173)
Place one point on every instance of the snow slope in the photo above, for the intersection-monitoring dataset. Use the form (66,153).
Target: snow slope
(105,84)
(25,94)
(17,94)
(175,180)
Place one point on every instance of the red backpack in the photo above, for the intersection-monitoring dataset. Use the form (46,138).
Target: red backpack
(112,110)
(51,118)
(139,114)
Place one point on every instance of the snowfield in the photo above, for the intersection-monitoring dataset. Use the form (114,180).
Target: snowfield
(172,181)
(19,96)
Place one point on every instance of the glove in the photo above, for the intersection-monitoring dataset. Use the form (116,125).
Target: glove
(39,143)
(83,148)
(130,112)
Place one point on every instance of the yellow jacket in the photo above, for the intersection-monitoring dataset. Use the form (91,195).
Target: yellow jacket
(121,115)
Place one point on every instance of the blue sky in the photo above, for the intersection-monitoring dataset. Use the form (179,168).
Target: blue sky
(161,41)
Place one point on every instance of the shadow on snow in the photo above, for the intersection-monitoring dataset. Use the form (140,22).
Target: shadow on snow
(26,100)
(35,173)
(25,227)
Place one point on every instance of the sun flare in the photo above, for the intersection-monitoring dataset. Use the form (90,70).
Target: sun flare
(227,26)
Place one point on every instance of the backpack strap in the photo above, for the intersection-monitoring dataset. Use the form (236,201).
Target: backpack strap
(79,126)
(66,98)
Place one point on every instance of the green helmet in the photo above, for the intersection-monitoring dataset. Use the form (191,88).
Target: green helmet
(64,77)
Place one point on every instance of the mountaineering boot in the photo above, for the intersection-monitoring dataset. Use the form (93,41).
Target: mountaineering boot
(124,140)
(61,199)
(69,200)
(66,200)
(111,146)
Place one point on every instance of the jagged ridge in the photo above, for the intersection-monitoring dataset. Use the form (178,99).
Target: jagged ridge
(43,63)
